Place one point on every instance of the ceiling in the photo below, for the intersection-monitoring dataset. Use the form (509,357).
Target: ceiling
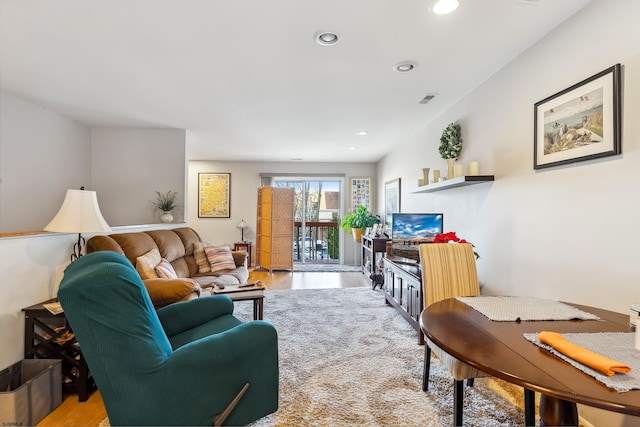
(247,79)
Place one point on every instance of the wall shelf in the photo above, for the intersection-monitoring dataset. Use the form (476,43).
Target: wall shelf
(460,181)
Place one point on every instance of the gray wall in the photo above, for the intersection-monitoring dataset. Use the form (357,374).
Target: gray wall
(567,232)
(245,181)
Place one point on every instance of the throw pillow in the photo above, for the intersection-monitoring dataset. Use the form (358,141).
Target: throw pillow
(146,264)
(201,257)
(219,258)
(165,270)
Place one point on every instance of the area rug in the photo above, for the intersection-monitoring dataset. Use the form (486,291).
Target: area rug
(299,267)
(348,359)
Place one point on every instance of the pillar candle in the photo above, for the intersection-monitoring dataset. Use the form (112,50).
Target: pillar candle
(459,170)
(473,168)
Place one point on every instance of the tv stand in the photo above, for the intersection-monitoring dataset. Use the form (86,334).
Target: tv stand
(403,290)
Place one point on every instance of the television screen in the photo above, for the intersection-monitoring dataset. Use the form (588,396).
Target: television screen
(415,228)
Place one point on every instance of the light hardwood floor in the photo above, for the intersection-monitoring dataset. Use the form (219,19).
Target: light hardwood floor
(92,412)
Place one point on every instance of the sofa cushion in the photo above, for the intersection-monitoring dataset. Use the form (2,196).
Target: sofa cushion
(146,264)
(201,257)
(134,244)
(169,244)
(165,270)
(219,258)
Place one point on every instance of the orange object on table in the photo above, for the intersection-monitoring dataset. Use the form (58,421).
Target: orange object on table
(589,358)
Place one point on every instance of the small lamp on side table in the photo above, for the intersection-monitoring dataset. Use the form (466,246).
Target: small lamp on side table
(79,213)
(242,225)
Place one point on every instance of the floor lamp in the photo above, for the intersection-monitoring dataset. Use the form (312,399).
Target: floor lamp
(79,213)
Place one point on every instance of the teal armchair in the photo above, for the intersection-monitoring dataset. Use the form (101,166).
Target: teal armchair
(187,364)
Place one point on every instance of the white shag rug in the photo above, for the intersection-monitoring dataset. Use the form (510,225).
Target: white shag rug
(348,359)
(300,267)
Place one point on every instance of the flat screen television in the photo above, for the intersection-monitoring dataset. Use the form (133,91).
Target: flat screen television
(412,229)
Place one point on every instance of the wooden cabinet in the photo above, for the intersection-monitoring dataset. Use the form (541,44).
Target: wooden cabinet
(373,251)
(274,228)
(403,290)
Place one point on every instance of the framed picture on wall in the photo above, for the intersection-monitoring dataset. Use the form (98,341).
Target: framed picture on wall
(360,192)
(582,122)
(214,191)
(391,199)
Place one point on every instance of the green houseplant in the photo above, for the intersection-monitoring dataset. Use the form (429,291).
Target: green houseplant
(166,202)
(357,221)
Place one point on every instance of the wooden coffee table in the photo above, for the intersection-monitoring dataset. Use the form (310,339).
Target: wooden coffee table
(252,293)
(500,349)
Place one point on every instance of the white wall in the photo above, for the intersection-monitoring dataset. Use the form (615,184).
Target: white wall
(129,165)
(42,154)
(245,181)
(566,233)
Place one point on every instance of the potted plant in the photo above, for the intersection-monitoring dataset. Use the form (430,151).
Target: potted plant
(357,221)
(166,202)
(450,146)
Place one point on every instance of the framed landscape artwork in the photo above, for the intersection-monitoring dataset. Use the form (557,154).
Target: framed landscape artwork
(391,199)
(214,195)
(361,192)
(580,123)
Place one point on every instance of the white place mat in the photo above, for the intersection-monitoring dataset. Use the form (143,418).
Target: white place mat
(512,309)
(618,346)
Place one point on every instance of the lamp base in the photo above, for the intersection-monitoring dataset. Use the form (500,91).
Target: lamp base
(78,248)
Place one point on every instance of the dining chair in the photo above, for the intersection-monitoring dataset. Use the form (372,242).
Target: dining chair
(448,271)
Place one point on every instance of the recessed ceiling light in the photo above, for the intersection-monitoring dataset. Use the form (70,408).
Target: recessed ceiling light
(361,133)
(297,158)
(443,7)
(352,148)
(326,38)
(405,66)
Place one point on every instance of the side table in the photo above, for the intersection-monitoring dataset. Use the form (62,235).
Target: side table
(244,246)
(253,293)
(48,336)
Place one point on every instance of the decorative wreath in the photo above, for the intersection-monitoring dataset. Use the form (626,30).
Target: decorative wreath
(451,142)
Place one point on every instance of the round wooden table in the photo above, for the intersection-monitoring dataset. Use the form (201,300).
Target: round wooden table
(500,349)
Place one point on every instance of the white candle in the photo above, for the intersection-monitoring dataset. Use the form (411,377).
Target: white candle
(459,170)
(474,168)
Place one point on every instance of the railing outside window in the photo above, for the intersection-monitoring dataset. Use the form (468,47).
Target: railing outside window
(319,244)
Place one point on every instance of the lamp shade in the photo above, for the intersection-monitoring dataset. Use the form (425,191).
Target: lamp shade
(79,213)
(242,224)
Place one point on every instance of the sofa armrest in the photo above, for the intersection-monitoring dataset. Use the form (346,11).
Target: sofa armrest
(240,258)
(168,291)
(186,315)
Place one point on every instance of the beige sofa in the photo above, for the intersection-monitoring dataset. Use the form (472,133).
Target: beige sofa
(184,250)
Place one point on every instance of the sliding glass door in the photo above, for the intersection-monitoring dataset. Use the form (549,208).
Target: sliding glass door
(316,237)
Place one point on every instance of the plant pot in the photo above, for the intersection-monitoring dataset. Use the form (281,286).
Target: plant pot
(166,217)
(357,234)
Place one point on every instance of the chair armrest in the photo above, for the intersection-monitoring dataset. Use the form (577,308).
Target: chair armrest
(216,367)
(240,258)
(182,316)
(167,291)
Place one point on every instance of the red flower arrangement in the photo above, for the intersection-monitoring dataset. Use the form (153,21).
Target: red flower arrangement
(451,237)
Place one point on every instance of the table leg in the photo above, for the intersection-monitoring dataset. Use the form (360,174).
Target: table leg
(557,412)
(258,309)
